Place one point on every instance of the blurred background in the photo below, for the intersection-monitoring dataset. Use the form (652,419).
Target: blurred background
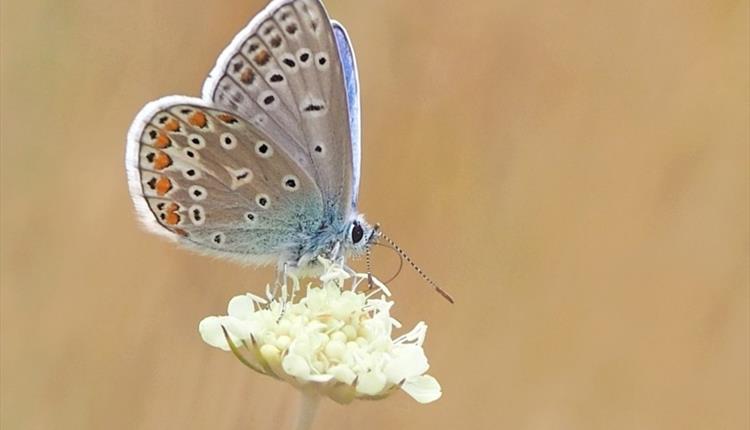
(575,173)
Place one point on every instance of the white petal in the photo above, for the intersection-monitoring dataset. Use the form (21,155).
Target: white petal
(241,307)
(282,342)
(212,334)
(371,383)
(239,329)
(295,365)
(257,299)
(319,378)
(408,361)
(271,354)
(301,346)
(335,349)
(424,388)
(343,373)
(381,286)
(415,336)
(334,273)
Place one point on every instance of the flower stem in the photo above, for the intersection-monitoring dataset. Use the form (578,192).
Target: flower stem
(308,406)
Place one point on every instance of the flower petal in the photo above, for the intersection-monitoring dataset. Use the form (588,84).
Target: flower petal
(409,361)
(241,307)
(371,383)
(334,273)
(423,388)
(343,374)
(319,378)
(334,339)
(212,334)
(295,365)
(238,329)
(415,336)
(381,286)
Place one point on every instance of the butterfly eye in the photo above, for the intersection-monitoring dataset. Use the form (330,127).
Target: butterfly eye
(357,233)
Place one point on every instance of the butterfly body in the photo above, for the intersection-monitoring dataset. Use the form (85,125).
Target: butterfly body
(264,167)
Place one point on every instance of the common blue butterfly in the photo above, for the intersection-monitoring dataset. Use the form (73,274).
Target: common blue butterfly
(264,167)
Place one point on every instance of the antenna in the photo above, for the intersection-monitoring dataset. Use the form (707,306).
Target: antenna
(400,261)
(405,256)
(368,259)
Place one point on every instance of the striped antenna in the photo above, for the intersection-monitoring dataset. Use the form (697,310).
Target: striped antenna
(368,259)
(403,254)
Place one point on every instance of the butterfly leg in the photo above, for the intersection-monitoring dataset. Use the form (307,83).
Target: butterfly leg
(336,254)
(280,285)
(280,277)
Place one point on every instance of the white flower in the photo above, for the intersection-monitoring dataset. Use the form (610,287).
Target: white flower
(334,340)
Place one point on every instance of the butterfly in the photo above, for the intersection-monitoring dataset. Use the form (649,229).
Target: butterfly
(264,167)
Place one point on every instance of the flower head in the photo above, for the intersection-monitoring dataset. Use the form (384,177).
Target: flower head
(334,340)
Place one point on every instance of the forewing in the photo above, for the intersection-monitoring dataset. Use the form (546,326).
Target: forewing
(283,73)
(213,181)
(351,81)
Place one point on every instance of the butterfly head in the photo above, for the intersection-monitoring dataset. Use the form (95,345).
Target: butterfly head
(360,236)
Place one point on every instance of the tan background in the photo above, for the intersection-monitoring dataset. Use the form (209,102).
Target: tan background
(576,173)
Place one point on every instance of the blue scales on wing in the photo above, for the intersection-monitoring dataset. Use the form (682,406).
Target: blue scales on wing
(217,183)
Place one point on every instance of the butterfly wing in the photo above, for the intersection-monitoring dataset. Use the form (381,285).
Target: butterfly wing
(351,80)
(214,182)
(284,74)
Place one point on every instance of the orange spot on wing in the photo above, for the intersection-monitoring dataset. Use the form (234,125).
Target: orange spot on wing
(229,119)
(172,217)
(162,141)
(248,76)
(262,58)
(172,125)
(163,185)
(162,161)
(198,119)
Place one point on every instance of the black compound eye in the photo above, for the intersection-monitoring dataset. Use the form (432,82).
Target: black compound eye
(357,233)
